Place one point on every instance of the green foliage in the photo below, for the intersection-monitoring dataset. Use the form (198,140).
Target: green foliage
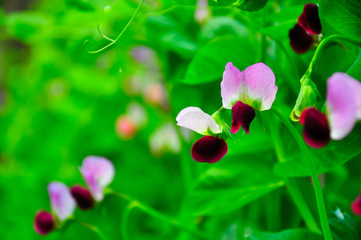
(59,104)
(341,17)
(286,235)
(208,64)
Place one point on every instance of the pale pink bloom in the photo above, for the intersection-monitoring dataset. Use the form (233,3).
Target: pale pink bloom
(98,173)
(247,91)
(62,203)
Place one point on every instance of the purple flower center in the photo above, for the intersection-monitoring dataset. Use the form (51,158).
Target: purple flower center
(209,149)
(242,116)
(44,223)
(82,197)
(356,206)
(309,19)
(316,131)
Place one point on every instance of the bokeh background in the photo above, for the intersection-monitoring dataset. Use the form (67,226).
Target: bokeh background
(59,103)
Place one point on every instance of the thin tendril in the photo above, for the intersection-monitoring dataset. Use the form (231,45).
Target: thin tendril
(112,42)
(103,35)
(93,229)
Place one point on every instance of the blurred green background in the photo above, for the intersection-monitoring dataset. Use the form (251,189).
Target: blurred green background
(59,104)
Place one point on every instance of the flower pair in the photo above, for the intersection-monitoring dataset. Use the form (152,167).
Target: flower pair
(243,93)
(343,109)
(307,30)
(98,173)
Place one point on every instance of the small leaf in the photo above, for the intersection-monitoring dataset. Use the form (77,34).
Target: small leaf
(291,234)
(209,63)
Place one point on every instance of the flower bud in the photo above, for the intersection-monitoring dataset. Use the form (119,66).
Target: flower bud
(82,197)
(306,98)
(44,223)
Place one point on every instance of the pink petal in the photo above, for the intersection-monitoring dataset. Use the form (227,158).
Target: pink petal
(44,223)
(98,173)
(61,200)
(261,88)
(242,115)
(355,85)
(195,119)
(209,149)
(341,105)
(232,86)
(316,131)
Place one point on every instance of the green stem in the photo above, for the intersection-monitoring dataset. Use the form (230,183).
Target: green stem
(323,44)
(112,42)
(93,229)
(316,182)
(160,216)
(292,186)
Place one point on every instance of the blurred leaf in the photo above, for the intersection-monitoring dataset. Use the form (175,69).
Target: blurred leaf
(291,234)
(334,154)
(168,35)
(232,183)
(341,16)
(252,5)
(246,5)
(355,69)
(27,24)
(222,26)
(209,63)
(343,226)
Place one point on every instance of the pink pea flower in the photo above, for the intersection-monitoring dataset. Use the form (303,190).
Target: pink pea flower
(247,91)
(62,205)
(356,206)
(98,173)
(302,36)
(202,13)
(210,148)
(343,103)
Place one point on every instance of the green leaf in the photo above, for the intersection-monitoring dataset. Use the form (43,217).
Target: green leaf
(291,234)
(355,70)
(222,26)
(169,35)
(334,154)
(232,183)
(342,16)
(209,63)
(252,5)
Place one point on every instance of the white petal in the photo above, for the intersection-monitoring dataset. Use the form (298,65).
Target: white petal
(61,200)
(98,173)
(195,119)
(341,105)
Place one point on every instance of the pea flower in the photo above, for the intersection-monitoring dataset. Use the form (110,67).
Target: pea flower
(306,31)
(98,173)
(247,91)
(210,148)
(356,206)
(343,104)
(62,205)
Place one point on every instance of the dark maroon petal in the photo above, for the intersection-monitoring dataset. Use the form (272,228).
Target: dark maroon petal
(300,41)
(44,223)
(209,149)
(82,197)
(316,131)
(309,19)
(356,206)
(242,116)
